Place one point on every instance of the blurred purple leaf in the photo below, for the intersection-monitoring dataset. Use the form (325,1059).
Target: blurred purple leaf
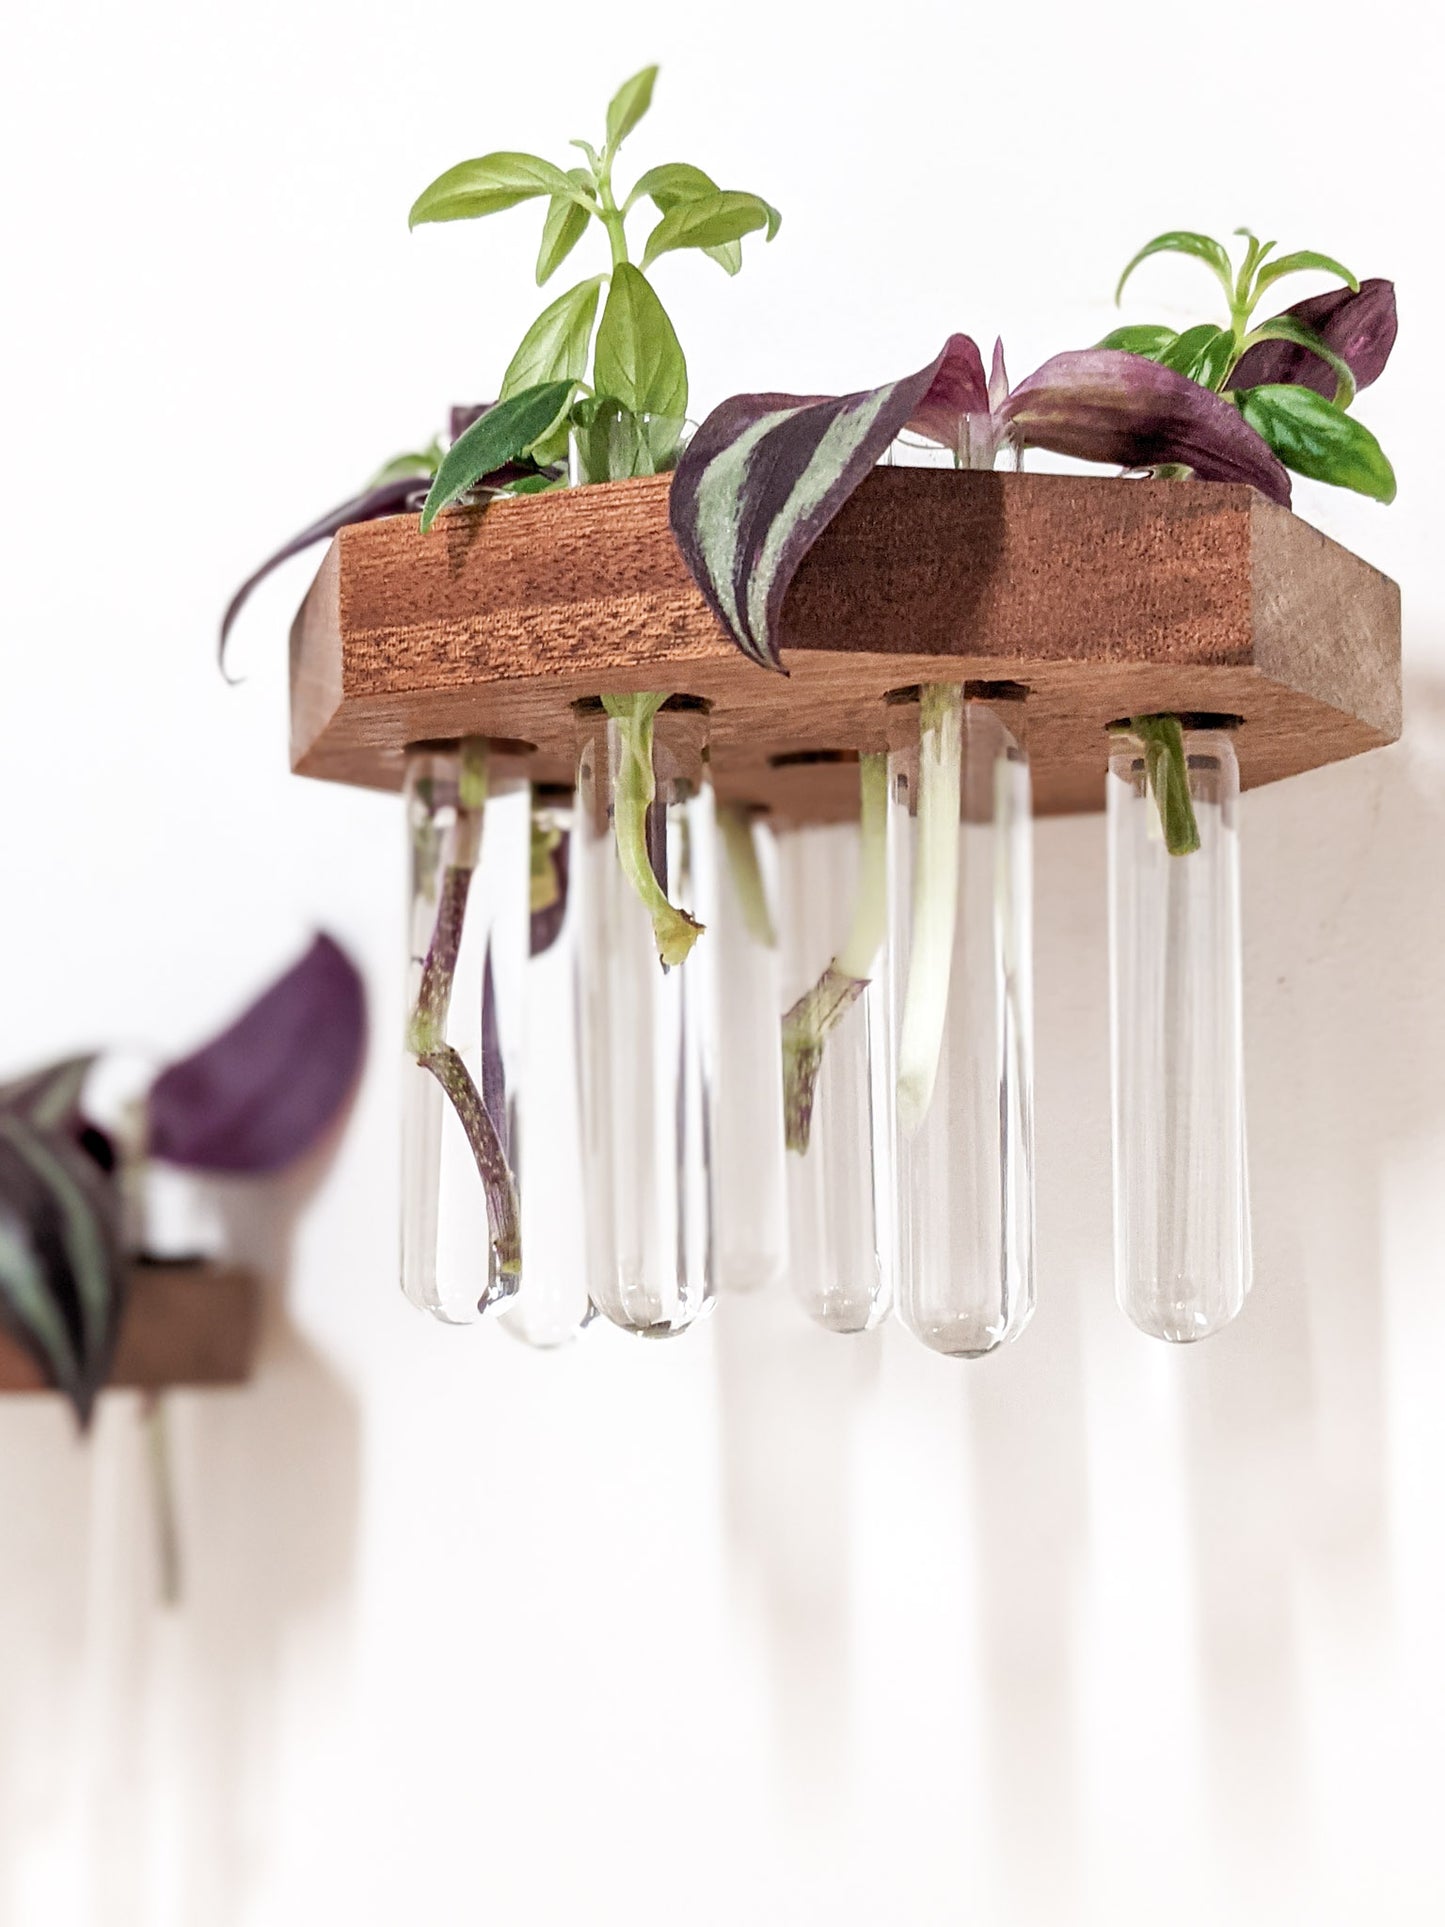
(1103,405)
(1360,328)
(463,414)
(267,1090)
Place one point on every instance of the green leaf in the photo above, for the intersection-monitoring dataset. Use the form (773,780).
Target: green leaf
(418,461)
(1285,327)
(1315,438)
(639,361)
(1146,338)
(555,347)
(707,222)
(490,184)
(628,105)
(1181,241)
(677,181)
(493,440)
(1302,262)
(674,181)
(1205,354)
(564,227)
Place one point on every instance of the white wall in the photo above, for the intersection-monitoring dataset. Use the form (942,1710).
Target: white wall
(766,1626)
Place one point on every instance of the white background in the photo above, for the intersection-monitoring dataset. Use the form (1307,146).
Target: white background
(765,1626)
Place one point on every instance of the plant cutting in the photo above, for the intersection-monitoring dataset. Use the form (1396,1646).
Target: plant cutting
(1293,376)
(252,1102)
(637,391)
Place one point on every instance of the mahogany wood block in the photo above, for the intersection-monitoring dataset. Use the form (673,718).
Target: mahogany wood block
(185,1324)
(1106,598)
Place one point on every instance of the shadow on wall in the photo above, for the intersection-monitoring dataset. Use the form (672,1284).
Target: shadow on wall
(1252,1468)
(1345,1014)
(173,1713)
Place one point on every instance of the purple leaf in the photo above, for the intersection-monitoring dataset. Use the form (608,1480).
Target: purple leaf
(390,498)
(494,1069)
(1103,405)
(959,389)
(463,414)
(1360,328)
(266,1091)
(766,474)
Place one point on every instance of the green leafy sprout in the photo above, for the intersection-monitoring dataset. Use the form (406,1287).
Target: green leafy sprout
(573,373)
(569,362)
(1311,433)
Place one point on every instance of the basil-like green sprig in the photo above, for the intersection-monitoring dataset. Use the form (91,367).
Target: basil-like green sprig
(635,356)
(1311,432)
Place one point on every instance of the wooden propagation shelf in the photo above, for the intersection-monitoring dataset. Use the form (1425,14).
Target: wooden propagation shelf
(1105,598)
(184,1325)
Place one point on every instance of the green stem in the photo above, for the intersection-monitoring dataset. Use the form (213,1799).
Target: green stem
(1166,772)
(611,215)
(634,791)
(163,1493)
(935,898)
(736,828)
(818,1012)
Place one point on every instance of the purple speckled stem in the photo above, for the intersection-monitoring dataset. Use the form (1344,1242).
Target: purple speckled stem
(503,1211)
(426,1039)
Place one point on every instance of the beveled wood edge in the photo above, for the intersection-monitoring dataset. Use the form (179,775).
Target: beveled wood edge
(1285,606)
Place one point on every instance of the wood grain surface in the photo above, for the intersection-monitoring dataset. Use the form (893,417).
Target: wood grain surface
(1104,597)
(185,1324)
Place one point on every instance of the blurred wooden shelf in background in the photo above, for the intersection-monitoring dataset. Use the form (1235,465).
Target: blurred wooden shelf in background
(186,1324)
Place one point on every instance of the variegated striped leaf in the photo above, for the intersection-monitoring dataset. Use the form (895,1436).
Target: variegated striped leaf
(766,474)
(62,1269)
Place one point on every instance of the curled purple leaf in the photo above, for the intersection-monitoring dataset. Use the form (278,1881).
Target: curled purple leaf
(267,1090)
(958,390)
(388,498)
(1360,328)
(1103,405)
(766,474)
